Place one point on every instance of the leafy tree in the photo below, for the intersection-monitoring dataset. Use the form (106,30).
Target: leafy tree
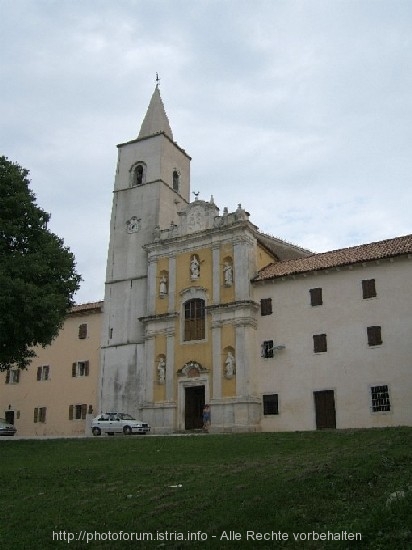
(37,272)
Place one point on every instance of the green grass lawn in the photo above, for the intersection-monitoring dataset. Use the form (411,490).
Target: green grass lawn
(249,484)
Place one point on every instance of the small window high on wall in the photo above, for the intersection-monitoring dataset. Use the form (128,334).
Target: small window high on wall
(176,180)
(138,174)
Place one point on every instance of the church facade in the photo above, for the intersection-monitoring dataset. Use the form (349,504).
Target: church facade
(201,307)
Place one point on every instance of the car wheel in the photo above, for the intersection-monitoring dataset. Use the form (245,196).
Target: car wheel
(96,431)
(127,430)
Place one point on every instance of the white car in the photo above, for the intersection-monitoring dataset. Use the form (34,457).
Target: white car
(116,422)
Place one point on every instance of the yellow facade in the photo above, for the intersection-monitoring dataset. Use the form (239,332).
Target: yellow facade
(199,350)
(264,258)
(57,393)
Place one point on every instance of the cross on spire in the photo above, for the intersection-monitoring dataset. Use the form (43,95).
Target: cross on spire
(157,80)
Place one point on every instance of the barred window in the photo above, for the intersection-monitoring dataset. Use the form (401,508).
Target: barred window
(194,320)
(380,398)
(267,349)
(270,404)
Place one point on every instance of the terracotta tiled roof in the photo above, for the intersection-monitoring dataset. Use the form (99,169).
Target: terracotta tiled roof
(344,256)
(80,308)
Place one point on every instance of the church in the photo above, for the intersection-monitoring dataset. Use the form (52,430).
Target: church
(201,307)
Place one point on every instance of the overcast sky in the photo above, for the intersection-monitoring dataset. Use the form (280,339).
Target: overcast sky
(299,110)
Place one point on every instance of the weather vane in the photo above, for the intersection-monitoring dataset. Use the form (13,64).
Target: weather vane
(196,194)
(157,80)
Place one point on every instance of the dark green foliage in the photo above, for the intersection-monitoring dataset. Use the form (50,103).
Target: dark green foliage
(37,272)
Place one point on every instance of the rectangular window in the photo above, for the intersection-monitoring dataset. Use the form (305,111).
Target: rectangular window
(374,336)
(320,344)
(315,296)
(40,415)
(43,372)
(266,306)
(77,412)
(13,376)
(267,349)
(194,320)
(83,331)
(380,399)
(270,404)
(81,368)
(368,288)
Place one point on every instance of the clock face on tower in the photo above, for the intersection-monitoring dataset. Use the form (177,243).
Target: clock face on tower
(133,225)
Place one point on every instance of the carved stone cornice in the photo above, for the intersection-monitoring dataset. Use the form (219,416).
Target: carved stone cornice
(159,317)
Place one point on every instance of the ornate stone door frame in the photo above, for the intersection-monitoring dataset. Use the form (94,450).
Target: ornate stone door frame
(184,383)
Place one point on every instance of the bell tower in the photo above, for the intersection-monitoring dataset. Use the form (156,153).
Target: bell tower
(152,184)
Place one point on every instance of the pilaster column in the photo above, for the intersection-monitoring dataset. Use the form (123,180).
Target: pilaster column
(151,287)
(217,359)
(241,360)
(172,283)
(241,253)
(216,273)
(149,355)
(170,363)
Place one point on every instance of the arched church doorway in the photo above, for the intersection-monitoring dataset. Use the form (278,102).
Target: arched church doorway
(194,403)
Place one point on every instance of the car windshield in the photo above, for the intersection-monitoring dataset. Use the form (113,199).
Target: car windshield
(125,416)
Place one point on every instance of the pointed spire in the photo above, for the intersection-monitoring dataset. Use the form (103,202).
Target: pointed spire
(156,119)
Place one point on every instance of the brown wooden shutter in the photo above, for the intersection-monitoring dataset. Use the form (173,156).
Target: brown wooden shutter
(319,343)
(374,335)
(7,377)
(84,411)
(316,297)
(86,368)
(74,370)
(46,372)
(368,288)
(83,331)
(266,306)
(70,412)
(36,415)
(39,373)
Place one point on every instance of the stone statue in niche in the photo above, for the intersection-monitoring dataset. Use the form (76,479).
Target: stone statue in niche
(229,365)
(163,286)
(161,370)
(228,274)
(194,268)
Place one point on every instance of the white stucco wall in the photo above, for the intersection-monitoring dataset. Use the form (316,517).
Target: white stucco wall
(350,366)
